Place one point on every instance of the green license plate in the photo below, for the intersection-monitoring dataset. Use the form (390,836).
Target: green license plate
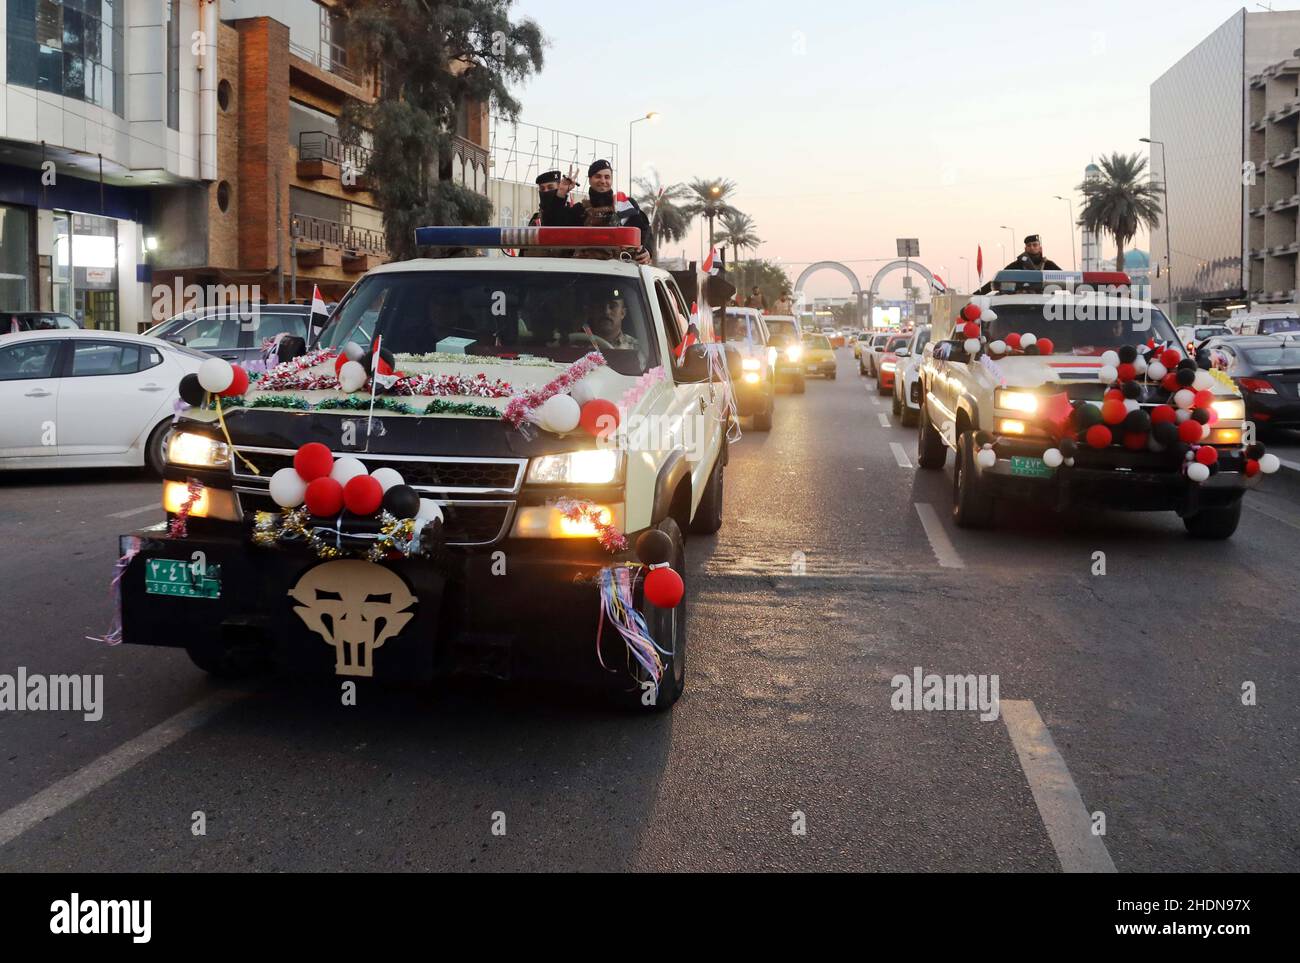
(169,576)
(1030,467)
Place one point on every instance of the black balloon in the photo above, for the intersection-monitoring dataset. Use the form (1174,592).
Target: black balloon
(1068,447)
(653,547)
(1137,421)
(402,501)
(1187,364)
(1032,349)
(192,392)
(1255,451)
(1201,415)
(1203,359)
(1131,390)
(1165,433)
(1087,416)
(1128,354)
(1185,376)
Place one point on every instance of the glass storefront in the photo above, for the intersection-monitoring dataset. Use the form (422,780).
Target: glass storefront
(84,269)
(16,289)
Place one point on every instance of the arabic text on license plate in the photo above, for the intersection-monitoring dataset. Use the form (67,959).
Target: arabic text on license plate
(169,576)
(1031,467)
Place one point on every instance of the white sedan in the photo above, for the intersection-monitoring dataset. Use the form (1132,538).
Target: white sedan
(88,399)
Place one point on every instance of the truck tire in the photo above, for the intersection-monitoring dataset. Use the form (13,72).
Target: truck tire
(763,419)
(906,416)
(1214,523)
(708,515)
(972,505)
(897,408)
(799,385)
(931,453)
(668,628)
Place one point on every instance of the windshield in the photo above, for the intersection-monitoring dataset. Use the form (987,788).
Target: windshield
(1084,333)
(1283,356)
(781,331)
(555,315)
(736,327)
(816,341)
(1274,325)
(922,339)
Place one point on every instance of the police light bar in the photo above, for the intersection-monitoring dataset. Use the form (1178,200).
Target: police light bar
(1067,279)
(528,236)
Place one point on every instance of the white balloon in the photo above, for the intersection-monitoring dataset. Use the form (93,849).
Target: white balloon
(352,376)
(288,488)
(1156,371)
(216,374)
(1110,358)
(1269,463)
(1107,373)
(982,301)
(1181,415)
(986,458)
(345,469)
(1027,339)
(353,351)
(1198,472)
(1131,404)
(988,314)
(1184,397)
(998,347)
(1053,458)
(559,413)
(1069,463)
(387,477)
(1204,381)
(429,510)
(1140,365)
(972,345)
(600,383)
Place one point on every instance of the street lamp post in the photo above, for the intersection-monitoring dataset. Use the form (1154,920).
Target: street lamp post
(1169,250)
(652,116)
(967,260)
(1074,263)
(1012,233)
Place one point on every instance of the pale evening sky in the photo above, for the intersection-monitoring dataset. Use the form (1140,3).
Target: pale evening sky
(847,125)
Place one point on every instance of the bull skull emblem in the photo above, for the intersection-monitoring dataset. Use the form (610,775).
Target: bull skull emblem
(354,606)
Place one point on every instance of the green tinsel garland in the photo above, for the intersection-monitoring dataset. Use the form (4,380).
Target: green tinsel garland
(362,403)
(440,407)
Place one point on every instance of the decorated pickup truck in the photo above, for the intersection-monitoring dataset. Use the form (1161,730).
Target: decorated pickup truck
(485,465)
(1062,388)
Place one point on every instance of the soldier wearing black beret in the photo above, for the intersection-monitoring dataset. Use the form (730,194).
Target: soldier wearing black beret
(1031,259)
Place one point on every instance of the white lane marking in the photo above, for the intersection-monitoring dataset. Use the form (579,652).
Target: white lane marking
(939,542)
(1294,466)
(152,507)
(1276,516)
(900,456)
(62,794)
(1064,815)
(884,420)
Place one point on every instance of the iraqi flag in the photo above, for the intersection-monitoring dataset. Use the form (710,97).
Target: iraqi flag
(319,313)
(711,262)
(624,205)
(979,263)
(938,284)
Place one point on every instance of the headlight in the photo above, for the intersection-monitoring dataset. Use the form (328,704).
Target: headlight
(887,366)
(1009,426)
(751,364)
(1009,400)
(1230,409)
(794,352)
(750,377)
(599,467)
(197,451)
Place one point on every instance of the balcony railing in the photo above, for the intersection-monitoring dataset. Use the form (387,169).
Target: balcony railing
(317,230)
(322,145)
(468,164)
(333,62)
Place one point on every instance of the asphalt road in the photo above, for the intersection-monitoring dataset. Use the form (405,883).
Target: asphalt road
(1121,698)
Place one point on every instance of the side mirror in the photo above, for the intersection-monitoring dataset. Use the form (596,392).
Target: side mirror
(694,366)
(951,350)
(902,353)
(174,338)
(291,346)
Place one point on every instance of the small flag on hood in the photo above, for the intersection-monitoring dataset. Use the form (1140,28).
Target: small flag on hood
(319,313)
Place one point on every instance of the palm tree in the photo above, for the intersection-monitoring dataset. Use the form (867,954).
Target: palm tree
(663,206)
(1120,201)
(738,231)
(709,199)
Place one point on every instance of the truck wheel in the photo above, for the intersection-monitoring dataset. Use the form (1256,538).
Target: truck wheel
(906,416)
(668,629)
(708,516)
(1214,522)
(972,506)
(155,449)
(896,405)
(931,452)
(227,661)
(763,419)
(798,385)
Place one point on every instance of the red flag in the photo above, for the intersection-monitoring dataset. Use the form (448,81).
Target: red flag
(979,264)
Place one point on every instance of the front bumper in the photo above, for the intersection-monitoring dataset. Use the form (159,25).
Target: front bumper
(531,612)
(821,367)
(753,397)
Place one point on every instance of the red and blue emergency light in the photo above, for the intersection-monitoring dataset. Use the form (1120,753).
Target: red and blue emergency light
(528,236)
(1063,278)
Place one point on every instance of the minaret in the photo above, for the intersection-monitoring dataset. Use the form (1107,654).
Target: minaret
(1091,243)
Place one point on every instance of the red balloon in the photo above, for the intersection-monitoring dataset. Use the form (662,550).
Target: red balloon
(313,460)
(238,384)
(1207,454)
(1098,436)
(1126,372)
(1135,440)
(1170,358)
(1170,382)
(1113,394)
(1113,412)
(324,497)
(664,588)
(1203,399)
(971,329)
(339,362)
(1013,341)
(362,495)
(1252,467)
(1045,346)
(596,416)
(1163,413)
(1190,431)
(971,313)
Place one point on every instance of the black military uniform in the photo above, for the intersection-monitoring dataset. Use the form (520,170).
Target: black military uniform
(1028,263)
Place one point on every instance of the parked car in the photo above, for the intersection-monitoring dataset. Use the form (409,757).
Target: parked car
(907,387)
(1274,322)
(755,385)
(12,322)
(83,399)
(230,333)
(1267,370)
(870,354)
(786,335)
(887,362)
(818,356)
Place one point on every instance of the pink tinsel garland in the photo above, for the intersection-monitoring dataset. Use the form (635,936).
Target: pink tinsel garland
(521,406)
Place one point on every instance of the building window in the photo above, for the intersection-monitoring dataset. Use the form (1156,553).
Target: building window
(68,47)
(223,196)
(223,94)
(173,64)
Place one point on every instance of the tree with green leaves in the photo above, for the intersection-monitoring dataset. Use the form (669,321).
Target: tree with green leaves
(431,58)
(739,234)
(663,206)
(1120,201)
(709,198)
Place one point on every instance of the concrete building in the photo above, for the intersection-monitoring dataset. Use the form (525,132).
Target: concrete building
(1090,243)
(1201,109)
(216,122)
(1273,159)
